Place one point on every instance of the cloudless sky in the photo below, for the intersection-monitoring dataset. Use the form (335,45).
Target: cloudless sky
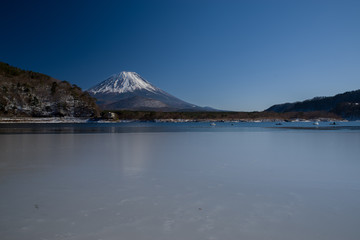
(234,55)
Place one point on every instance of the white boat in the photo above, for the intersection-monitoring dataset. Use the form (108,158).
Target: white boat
(212,124)
(316,123)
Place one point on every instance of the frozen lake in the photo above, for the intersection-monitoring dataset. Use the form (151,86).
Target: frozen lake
(179,181)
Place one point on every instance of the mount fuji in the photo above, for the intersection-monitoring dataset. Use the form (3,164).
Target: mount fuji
(129,91)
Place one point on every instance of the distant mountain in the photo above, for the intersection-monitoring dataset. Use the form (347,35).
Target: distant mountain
(27,93)
(129,91)
(345,104)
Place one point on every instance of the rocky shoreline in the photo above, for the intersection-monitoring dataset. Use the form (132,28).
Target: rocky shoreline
(168,120)
(43,120)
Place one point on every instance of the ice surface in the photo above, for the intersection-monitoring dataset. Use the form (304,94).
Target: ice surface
(181,185)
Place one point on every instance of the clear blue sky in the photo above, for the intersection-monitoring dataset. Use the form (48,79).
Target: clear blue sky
(235,55)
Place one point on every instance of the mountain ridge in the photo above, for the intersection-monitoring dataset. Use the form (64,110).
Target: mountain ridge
(345,104)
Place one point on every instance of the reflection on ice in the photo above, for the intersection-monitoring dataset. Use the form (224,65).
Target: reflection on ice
(266,184)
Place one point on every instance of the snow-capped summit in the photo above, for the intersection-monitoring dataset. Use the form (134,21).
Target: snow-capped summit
(123,82)
(128,90)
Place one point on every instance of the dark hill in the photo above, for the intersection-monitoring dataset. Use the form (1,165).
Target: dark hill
(344,104)
(27,93)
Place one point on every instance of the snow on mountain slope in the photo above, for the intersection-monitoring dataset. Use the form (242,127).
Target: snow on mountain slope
(123,82)
(128,90)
